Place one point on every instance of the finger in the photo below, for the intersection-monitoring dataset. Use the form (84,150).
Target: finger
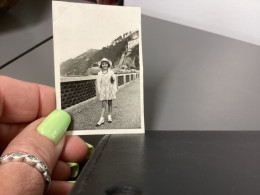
(43,139)
(60,188)
(75,149)
(8,132)
(61,171)
(24,102)
(30,141)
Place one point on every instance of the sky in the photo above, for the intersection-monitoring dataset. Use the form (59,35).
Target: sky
(79,27)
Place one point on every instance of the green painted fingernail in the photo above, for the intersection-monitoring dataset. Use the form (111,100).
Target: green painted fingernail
(55,125)
(90,150)
(74,167)
(72,181)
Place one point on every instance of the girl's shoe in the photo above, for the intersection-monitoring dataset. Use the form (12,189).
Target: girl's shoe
(100,122)
(109,118)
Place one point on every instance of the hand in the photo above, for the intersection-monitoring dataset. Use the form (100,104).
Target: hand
(98,92)
(23,107)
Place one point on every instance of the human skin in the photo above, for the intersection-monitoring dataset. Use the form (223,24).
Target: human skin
(104,65)
(23,106)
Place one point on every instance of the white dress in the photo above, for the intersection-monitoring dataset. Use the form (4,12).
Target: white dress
(105,89)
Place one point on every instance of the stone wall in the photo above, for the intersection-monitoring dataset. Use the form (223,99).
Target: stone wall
(76,90)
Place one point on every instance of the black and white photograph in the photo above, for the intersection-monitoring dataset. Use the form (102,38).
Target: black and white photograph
(99,67)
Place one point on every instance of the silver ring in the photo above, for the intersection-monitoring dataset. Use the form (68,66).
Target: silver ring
(32,161)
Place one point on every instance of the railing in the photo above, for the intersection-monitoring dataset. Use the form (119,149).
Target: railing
(75,90)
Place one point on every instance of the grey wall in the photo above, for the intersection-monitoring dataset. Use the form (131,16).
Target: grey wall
(195,80)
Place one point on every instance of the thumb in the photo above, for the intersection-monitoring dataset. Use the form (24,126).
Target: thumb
(43,139)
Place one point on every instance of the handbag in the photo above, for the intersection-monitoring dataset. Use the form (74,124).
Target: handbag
(112,80)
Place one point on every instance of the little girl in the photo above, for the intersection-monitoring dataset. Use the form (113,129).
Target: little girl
(106,89)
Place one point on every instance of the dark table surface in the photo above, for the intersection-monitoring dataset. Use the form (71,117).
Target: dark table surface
(191,162)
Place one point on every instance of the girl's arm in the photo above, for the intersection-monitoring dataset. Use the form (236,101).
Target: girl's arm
(98,82)
(115,81)
(112,74)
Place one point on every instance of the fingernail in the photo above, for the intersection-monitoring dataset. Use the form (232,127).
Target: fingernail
(90,150)
(72,181)
(74,167)
(55,125)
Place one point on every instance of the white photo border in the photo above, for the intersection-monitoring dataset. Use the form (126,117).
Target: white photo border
(56,6)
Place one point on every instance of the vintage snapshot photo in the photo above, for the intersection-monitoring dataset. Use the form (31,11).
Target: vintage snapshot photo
(99,67)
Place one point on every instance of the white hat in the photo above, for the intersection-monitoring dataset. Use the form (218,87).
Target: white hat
(105,60)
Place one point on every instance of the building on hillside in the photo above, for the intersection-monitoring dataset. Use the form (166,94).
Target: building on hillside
(133,42)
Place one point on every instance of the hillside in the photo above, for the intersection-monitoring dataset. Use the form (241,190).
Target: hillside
(116,52)
(78,66)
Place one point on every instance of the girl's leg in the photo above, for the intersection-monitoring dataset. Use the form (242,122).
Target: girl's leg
(104,105)
(109,107)
(109,117)
(101,120)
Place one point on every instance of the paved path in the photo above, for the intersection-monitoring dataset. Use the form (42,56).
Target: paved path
(126,111)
